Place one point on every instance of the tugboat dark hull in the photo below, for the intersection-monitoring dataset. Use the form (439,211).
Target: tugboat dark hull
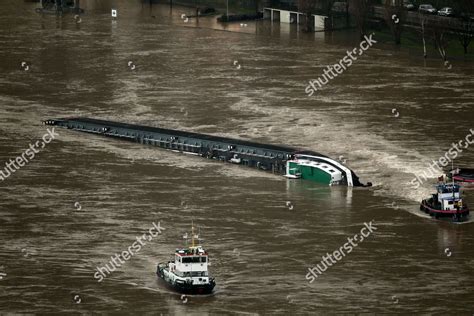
(187,288)
(431,208)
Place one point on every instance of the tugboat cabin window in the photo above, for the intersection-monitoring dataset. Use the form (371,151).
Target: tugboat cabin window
(449,189)
(191,259)
(203,259)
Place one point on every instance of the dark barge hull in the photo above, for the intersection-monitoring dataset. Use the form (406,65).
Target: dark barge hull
(262,156)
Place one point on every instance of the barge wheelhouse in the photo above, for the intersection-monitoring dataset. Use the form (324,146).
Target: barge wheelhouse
(307,165)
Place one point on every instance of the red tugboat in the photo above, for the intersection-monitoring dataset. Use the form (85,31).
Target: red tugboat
(187,273)
(463,176)
(446,203)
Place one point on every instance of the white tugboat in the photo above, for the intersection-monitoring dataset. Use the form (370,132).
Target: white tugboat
(187,273)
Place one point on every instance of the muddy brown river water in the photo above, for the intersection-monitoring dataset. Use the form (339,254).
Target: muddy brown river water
(388,116)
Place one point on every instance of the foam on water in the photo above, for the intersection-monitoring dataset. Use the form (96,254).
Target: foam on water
(386,164)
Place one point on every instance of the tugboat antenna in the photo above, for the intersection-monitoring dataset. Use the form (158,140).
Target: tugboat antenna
(185,237)
(192,233)
(452,177)
(199,234)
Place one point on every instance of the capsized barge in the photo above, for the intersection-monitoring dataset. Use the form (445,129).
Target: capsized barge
(290,162)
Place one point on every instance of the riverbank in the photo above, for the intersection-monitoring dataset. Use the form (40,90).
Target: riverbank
(411,42)
(220,6)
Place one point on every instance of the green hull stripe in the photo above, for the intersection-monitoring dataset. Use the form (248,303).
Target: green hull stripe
(309,173)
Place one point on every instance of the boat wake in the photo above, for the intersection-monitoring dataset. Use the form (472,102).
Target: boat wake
(391,166)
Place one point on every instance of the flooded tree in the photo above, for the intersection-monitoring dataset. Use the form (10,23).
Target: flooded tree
(49,4)
(308,8)
(466,32)
(423,28)
(441,38)
(360,10)
(348,21)
(437,31)
(326,8)
(395,15)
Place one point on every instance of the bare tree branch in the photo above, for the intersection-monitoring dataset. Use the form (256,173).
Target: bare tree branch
(395,16)
(308,8)
(360,9)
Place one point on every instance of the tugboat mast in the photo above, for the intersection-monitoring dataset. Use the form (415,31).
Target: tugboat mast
(452,168)
(192,233)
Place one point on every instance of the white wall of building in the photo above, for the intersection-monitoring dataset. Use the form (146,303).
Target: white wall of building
(319,21)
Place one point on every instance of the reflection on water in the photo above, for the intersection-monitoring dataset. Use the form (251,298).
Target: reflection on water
(450,236)
(340,196)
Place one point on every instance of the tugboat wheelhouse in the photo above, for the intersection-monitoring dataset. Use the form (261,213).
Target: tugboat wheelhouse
(188,272)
